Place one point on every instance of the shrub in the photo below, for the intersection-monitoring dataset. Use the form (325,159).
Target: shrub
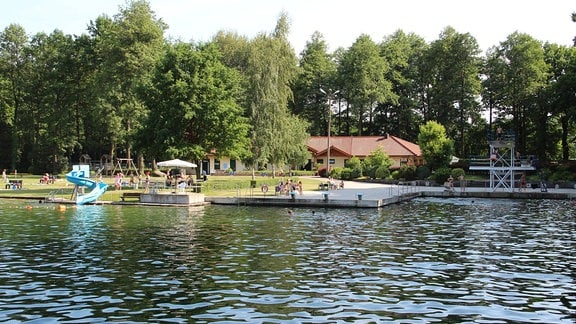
(457,172)
(407,172)
(355,173)
(336,173)
(382,172)
(376,160)
(441,175)
(562,175)
(422,172)
(346,174)
(355,165)
(545,174)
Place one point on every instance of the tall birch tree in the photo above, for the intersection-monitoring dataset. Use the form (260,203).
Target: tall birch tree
(272,67)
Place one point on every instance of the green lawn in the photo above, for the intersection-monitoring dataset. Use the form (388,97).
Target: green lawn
(215,186)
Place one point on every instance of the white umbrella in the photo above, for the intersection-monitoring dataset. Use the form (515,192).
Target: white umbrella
(176,163)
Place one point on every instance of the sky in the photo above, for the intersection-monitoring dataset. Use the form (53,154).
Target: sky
(340,22)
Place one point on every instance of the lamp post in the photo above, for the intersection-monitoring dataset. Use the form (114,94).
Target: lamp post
(330,95)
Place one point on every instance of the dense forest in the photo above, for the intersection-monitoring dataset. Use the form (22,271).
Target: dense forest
(123,90)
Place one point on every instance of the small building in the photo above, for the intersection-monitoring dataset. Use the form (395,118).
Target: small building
(342,148)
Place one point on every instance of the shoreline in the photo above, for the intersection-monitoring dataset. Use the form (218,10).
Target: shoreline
(356,195)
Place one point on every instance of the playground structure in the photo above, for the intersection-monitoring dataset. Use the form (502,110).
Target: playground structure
(108,166)
(80,177)
(504,164)
(125,164)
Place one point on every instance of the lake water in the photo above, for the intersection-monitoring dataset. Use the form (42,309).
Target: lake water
(428,260)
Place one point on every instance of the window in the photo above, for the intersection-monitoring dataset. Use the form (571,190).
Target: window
(216,164)
(320,161)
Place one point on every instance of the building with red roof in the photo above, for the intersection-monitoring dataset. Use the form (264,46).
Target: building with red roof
(342,148)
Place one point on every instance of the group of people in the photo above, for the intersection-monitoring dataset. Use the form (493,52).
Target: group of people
(134,181)
(46,179)
(289,186)
(333,186)
(118,181)
(180,181)
(450,183)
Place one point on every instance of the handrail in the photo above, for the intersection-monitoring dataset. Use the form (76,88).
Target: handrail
(52,195)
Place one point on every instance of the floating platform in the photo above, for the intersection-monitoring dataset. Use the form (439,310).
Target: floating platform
(171,198)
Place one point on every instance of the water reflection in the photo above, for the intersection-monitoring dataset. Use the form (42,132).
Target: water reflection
(428,260)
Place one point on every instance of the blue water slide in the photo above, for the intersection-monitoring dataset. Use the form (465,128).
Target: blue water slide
(97,188)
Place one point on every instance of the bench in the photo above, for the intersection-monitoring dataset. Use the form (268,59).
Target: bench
(130,195)
(14,184)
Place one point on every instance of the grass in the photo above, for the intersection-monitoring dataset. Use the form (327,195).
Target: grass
(215,186)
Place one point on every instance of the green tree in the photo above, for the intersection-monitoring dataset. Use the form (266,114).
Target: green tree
(297,155)
(436,148)
(88,119)
(193,106)
(129,46)
(272,67)
(516,73)
(14,70)
(454,63)
(574,20)
(317,70)
(402,52)
(560,105)
(51,97)
(235,51)
(363,72)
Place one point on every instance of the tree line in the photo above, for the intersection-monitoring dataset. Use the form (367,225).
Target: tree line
(123,90)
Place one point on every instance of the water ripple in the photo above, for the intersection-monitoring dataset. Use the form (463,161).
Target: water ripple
(429,260)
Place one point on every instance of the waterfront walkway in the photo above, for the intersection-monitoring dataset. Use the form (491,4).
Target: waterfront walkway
(374,195)
(354,195)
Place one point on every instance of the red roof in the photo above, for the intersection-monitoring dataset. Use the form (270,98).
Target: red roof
(362,146)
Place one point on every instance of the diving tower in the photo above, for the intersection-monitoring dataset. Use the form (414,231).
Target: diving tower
(504,164)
